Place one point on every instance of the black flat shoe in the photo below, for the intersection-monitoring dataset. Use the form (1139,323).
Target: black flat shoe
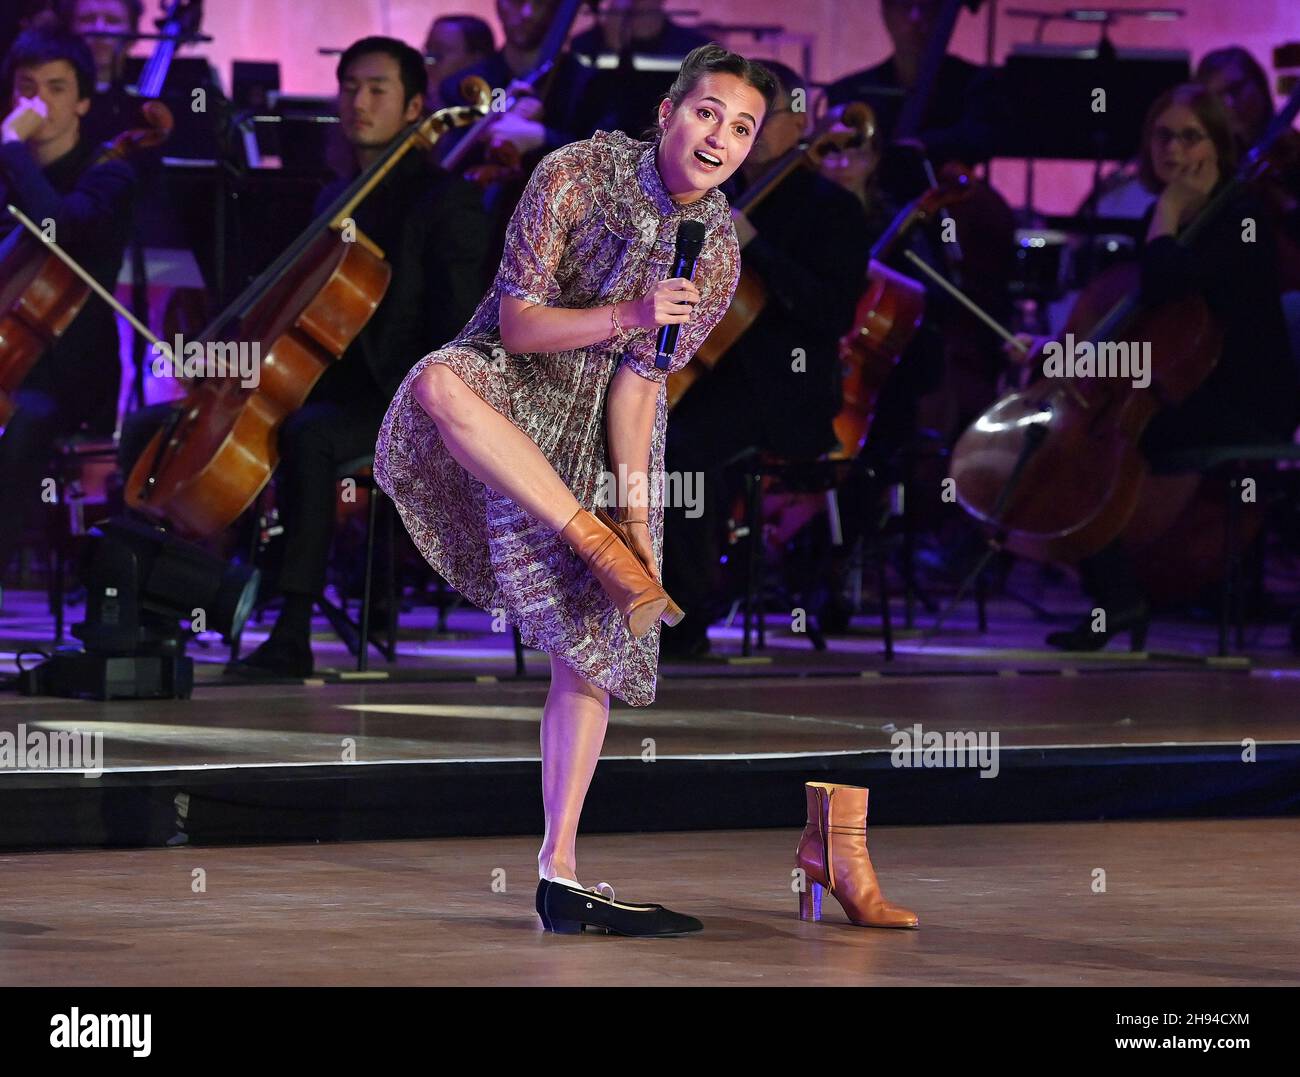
(1135,621)
(567,910)
(273,659)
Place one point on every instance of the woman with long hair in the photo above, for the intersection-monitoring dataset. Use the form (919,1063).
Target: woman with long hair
(498,446)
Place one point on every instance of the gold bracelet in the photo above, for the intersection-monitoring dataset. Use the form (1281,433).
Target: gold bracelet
(619,331)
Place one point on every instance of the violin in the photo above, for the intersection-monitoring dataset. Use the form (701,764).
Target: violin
(40,295)
(834,133)
(218,450)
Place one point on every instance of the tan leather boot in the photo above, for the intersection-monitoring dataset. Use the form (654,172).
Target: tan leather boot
(833,854)
(618,570)
(673,613)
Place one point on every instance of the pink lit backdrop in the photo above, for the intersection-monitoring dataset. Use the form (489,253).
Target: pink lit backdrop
(844,36)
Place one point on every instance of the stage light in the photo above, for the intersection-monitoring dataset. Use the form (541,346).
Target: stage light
(141,581)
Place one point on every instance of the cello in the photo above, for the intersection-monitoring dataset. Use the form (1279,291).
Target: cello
(888,314)
(218,450)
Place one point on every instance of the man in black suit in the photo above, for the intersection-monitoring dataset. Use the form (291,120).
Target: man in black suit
(50,171)
(964,110)
(633,53)
(778,388)
(434,234)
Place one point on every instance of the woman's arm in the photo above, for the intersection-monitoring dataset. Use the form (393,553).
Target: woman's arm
(535,327)
(629,425)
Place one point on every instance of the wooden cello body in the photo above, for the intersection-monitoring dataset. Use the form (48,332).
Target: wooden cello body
(223,448)
(1056,469)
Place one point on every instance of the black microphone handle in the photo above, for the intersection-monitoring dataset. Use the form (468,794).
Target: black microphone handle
(682,267)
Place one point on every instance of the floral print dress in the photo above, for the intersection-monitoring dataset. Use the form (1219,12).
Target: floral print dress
(595,225)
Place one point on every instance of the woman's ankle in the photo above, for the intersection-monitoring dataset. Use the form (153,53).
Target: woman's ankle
(553,867)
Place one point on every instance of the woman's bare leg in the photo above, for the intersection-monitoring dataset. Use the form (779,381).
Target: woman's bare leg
(491,448)
(573,730)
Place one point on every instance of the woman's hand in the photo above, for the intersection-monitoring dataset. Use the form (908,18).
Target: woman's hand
(638,532)
(668,302)
(1184,196)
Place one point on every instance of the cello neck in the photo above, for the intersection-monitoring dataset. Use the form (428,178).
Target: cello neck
(426,131)
(771,178)
(918,100)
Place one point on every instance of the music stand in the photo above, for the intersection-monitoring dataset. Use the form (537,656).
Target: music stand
(1050,90)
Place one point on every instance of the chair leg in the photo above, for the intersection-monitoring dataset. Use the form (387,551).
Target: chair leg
(753,582)
(363,644)
(390,526)
(1229,595)
(886,623)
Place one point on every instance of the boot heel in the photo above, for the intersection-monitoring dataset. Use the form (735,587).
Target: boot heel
(810,902)
(673,613)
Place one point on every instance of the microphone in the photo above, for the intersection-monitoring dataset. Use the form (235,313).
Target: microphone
(690,238)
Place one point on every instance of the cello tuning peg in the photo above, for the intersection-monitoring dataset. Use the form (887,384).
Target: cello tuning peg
(476,91)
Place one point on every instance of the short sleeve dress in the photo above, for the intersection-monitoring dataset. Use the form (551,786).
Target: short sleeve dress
(595,225)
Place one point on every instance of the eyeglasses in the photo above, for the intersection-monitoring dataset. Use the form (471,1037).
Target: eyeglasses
(1191,137)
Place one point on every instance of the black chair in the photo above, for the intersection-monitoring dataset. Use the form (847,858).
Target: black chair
(823,475)
(1231,464)
(357,633)
(65,522)
(352,632)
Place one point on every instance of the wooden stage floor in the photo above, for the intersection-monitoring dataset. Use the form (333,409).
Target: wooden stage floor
(1186,903)
(692,717)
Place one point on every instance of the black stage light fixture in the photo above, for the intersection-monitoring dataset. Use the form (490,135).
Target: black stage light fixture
(141,581)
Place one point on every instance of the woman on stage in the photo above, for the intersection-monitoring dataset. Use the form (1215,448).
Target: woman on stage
(498,446)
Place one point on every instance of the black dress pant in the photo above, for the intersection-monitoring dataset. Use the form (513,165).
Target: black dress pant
(26,459)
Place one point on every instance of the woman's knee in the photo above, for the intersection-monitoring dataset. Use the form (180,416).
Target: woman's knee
(440,392)
(568,680)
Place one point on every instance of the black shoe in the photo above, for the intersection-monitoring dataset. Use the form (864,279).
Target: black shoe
(274,658)
(1135,620)
(566,910)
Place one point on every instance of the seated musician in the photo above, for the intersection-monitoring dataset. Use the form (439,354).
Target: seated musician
(630,51)
(114,105)
(92,18)
(51,173)
(1242,85)
(454,43)
(1251,396)
(778,388)
(526,23)
(964,106)
(433,233)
